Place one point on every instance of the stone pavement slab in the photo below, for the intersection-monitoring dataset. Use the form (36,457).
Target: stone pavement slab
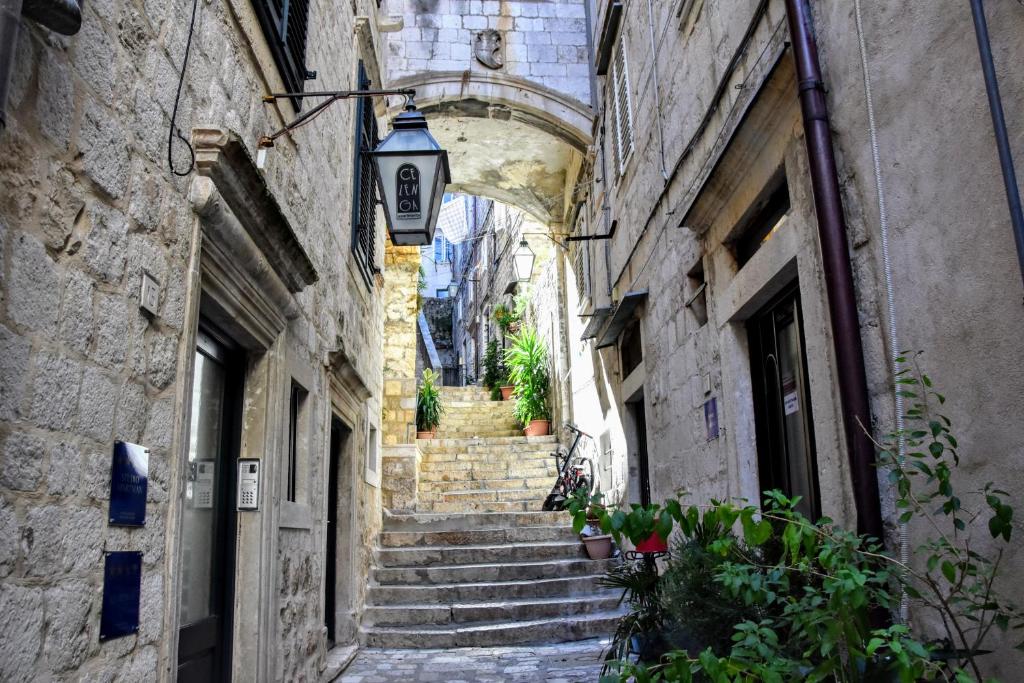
(576,662)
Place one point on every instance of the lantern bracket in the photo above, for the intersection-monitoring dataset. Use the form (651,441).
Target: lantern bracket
(332,97)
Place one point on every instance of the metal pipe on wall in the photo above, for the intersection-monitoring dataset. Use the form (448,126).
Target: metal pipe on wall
(995,105)
(828,206)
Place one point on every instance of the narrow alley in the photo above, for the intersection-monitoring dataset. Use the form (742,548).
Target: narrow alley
(511,340)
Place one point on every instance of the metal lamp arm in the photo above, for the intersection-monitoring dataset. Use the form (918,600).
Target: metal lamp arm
(332,97)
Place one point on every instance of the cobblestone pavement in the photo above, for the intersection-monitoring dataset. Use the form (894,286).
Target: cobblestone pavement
(562,663)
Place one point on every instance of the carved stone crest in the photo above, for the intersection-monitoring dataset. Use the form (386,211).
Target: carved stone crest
(487,48)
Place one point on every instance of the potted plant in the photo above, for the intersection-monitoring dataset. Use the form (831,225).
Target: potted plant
(428,406)
(507,318)
(494,370)
(527,362)
(507,387)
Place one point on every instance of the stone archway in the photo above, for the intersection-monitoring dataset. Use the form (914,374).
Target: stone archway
(508,138)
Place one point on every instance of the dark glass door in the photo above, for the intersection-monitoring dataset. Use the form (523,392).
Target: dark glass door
(636,409)
(207,528)
(782,406)
(339,432)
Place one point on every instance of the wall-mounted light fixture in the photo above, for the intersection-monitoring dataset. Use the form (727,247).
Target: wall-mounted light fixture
(522,261)
(411,168)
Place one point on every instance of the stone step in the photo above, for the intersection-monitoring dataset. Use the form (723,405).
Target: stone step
(479,554)
(487,495)
(444,432)
(476,471)
(481,506)
(460,403)
(433,522)
(430,594)
(490,612)
(476,573)
(437,443)
(551,630)
(535,483)
(529,534)
(469,393)
(484,454)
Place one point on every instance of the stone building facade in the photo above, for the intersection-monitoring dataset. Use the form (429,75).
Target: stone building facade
(256,283)
(705,247)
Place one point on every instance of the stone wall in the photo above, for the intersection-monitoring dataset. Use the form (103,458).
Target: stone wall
(544,41)
(88,205)
(694,174)
(399,416)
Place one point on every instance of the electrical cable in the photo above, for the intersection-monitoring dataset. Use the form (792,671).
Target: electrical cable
(890,297)
(174,130)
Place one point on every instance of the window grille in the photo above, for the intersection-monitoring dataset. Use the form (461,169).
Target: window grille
(621,104)
(364,203)
(285,25)
(582,268)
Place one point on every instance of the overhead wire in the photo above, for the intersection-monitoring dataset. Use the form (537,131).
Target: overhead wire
(174,131)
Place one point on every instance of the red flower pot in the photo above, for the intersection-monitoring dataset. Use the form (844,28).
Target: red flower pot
(506,392)
(652,544)
(537,428)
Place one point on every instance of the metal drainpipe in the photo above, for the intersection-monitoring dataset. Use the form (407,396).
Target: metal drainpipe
(995,105)
(10,19)
(828,206)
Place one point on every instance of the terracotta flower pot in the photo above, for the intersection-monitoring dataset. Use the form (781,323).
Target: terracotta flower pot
(537,428)
(425,435)
(506,392)
(598,547)
(652,544)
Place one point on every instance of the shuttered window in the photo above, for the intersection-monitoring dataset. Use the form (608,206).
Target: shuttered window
(364,201)
(285,25)
(621,108)
(582,269)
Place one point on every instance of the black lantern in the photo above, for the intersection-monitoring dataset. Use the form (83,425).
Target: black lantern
(412,171)
(522,260)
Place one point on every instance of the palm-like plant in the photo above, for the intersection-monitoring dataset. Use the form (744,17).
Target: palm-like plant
(527,363)
(428,403)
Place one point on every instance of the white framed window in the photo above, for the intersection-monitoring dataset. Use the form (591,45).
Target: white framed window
(621,106)
(582,268)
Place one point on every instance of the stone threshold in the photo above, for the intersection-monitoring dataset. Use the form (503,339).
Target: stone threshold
(338,659)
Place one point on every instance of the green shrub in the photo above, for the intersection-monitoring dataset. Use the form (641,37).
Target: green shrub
(527,363)
(429,409)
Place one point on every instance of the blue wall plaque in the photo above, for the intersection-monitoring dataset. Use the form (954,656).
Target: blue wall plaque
(129,470)
(122,585)
(711,418)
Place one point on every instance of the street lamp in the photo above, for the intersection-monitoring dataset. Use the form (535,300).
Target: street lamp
(453,289)
(412,171)
(522,261)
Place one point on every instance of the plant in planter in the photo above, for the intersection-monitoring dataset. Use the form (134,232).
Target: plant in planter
(527,362)
(429,409)
(494,370)
(507,318)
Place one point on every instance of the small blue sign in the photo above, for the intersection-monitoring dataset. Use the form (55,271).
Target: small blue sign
(129,471)
(711,418)
(122,586)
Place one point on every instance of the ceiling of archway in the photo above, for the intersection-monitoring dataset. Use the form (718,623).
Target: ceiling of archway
(506,160)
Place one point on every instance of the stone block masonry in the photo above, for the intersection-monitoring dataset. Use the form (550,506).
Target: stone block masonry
(87,206)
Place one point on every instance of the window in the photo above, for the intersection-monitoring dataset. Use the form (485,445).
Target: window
(763,219)
(296,442)
(631,349)
(621,107)
(441,293)
(443,250)
(697,293)
(285,24)
(364,202)
(582,268)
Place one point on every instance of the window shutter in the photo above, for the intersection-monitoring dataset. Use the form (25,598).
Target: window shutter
(621,107)
(582,268)
(285,25)
(364,201)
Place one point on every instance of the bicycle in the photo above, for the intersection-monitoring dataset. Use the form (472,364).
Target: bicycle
(575,472)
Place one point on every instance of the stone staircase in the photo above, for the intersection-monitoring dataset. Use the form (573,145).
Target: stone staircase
(478,563)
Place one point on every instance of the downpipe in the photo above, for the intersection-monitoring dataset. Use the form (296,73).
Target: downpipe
(828,207)
(995,105)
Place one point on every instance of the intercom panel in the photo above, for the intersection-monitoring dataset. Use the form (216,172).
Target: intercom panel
(248,484)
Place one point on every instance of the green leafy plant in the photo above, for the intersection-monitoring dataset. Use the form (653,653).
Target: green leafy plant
(957,580)
(429,409)
(639,629)
(505,317)
(527,363)
(495,372)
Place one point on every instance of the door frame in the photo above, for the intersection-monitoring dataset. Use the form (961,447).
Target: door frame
(761,427)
